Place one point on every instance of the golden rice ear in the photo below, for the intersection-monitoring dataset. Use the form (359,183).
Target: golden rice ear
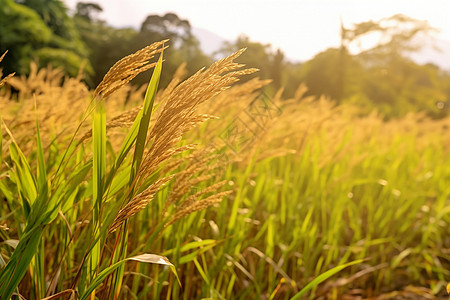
(138,203)
(178,115)
(192,205)
(178,111)
(128,68)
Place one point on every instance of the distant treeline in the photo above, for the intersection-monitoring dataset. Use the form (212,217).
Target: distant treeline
(381,78)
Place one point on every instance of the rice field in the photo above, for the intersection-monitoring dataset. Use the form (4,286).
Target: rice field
(215,189)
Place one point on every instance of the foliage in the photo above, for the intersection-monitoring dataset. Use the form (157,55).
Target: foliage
(184,46)
(21,32)
(106,44)
(321,74)
(396,36)
(381,76)
(40,30)
(87,10)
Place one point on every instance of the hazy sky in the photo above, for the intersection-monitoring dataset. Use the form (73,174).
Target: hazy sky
(301,28)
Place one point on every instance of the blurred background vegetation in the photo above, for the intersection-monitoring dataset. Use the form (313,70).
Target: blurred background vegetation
(382,77)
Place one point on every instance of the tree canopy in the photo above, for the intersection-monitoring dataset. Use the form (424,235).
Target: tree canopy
(380,75)
(108,44)
(40,30)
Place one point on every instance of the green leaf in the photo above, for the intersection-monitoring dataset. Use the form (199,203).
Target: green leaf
(119,181)
(69,190)
(119,254)
(145,121)
(17,266)
(42,171)
(325,276)
(137,124)
(147,258)
(99,168)
(7,192)
(99,158)
(23,176)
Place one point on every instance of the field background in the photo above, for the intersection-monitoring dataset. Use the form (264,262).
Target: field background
(151,178)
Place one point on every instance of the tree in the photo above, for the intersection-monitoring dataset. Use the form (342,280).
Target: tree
(183,46)
(106,44)
(323,74)
(169,26)
(88,10)
(394,81)
(42,30)
(271,64)
(395,37)
(291,78)
(22,31)
(277,68)
(403,86)
(380,74)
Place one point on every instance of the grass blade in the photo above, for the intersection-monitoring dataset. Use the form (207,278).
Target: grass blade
(138,127)
(12,274)
(145,121)
(42,171)
(324,276)
(23,177)
(99,167)
(147,258)
(99,159)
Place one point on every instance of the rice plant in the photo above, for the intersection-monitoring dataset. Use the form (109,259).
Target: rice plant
(71,205)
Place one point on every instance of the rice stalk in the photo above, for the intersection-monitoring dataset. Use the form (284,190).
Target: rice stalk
(128,68)
(7,77)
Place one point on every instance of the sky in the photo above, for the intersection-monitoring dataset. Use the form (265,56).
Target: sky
(300,28)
